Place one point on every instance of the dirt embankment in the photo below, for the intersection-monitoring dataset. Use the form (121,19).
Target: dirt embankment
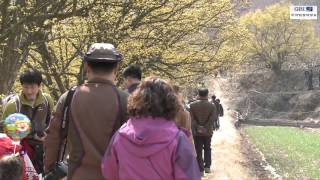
(271,96)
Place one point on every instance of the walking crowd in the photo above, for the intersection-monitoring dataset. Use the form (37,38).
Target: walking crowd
(98,131)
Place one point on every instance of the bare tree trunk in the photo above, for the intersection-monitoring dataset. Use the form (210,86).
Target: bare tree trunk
(13,52)
(17,33)
(52,74)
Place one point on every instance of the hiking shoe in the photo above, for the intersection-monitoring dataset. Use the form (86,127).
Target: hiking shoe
(207,170)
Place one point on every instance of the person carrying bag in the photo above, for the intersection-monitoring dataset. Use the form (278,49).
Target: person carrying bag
(59,170)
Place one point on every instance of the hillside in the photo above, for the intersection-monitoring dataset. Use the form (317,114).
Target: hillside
(268,96)
(260,4)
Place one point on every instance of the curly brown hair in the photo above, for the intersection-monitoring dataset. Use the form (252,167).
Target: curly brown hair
(153,97)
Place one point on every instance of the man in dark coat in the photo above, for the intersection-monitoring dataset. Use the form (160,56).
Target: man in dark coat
(220,113)
(203,114)
(97,110)
(132,77)
(220,108)
(216,124)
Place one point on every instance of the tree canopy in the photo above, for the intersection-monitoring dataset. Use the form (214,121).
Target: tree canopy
(275,40)
(22,25)
(171,39)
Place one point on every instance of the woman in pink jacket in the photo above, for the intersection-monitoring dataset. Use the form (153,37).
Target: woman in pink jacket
(149,145)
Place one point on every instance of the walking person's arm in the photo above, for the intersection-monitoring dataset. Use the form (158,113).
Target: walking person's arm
(194,123)
(214,117)
(185,165)
(222,111)
(109,163)
(53,138)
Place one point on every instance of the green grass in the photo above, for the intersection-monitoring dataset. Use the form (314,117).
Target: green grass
(294,153)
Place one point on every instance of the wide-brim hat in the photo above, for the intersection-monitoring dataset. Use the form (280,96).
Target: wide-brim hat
(102,52)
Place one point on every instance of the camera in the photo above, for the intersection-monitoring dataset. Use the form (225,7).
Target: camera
(57,171)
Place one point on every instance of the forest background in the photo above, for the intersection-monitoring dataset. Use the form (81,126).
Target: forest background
(184,41)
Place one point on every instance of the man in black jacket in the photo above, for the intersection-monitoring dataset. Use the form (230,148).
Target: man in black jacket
(220,108)
(132,77)
(216,124)
(203,114)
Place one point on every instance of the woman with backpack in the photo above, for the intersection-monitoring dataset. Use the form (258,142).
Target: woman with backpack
(149,145)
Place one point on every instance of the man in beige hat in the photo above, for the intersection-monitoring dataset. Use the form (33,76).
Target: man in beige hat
(97,110)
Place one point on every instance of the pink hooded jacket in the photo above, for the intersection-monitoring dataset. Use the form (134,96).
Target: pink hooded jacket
(149,148)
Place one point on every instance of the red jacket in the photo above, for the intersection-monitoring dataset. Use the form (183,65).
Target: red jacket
(7,147)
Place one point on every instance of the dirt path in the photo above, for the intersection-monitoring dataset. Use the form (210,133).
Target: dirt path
(228,160)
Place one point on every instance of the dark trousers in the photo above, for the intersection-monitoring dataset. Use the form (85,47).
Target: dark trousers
(216,124)
(203,143)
